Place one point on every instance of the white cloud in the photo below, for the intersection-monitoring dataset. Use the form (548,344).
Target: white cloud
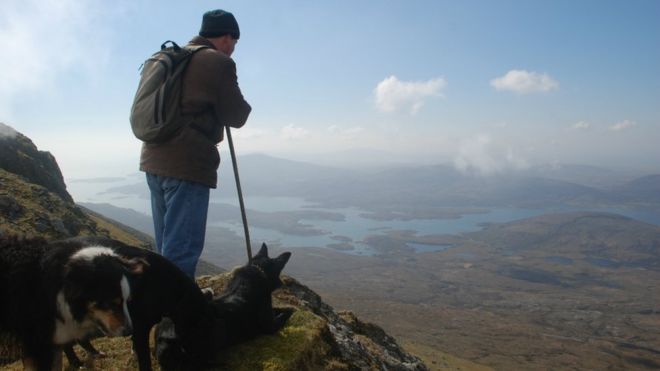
(481,156)
(292,132)
(581,125)
(623,125)
(524,82)
(42,38)
(393,95)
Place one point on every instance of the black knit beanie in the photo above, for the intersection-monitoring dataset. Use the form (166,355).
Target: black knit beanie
(219,22)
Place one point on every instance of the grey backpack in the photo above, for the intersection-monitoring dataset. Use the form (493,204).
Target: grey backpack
(156,111)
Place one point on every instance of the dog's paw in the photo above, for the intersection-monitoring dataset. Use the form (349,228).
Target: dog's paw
(280,316)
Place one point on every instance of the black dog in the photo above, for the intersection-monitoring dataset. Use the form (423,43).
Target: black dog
(243,311)
(163,290)
(60,292)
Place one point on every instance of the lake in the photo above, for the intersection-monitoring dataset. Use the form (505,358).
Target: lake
(345,235)
(355,227)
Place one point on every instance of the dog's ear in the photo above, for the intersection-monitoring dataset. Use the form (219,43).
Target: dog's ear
(263,251)
(76,277)
(135,265)
(71,288)
(281,261)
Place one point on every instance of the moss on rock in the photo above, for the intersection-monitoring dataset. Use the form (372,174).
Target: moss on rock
(35,211)
(300,345)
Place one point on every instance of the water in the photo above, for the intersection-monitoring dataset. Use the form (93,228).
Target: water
(348,233)
(356,227)
(559,260)
(96,192)
(425,247)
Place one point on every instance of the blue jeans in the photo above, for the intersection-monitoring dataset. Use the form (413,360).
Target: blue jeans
(179,210)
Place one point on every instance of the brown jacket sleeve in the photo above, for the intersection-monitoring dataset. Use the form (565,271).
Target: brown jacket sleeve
(230,106)
(211,94)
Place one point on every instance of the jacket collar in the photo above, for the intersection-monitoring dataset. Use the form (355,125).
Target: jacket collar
(199,40)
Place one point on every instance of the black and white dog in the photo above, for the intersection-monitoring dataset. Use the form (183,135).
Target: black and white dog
(163,290)
(56,293)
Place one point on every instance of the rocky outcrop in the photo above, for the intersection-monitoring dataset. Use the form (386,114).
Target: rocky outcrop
(30,209)
(34,200)
(20,156)
(333,340)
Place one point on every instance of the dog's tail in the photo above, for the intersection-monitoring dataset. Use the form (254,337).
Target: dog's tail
(8,241)
(17,248)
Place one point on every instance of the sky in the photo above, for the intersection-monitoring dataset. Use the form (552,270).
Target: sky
(487,86)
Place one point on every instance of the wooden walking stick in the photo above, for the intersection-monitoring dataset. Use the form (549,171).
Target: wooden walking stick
(240,194)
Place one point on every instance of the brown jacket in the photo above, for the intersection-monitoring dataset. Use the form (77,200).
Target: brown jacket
(212,97)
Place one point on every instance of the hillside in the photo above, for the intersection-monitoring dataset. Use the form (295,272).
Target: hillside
(559,291)
(316,337)
(644,189)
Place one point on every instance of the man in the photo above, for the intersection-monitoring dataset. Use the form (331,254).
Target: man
(181,171)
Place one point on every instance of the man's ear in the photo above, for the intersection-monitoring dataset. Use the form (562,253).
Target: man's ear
(135,265)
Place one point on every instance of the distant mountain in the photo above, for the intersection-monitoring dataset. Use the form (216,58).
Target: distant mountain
(646,188)
(358,159)
(586,175)
(138,221)
(415,191)
(412,186)
(598,235)
(261,175)
(270,176)
(539,192)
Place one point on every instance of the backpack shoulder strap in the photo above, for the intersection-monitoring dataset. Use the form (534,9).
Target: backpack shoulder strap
(195,48)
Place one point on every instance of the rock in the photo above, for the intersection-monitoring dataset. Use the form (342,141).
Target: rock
(9,207)
(338,339)
(20,156)
(359,344)
(30,209)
